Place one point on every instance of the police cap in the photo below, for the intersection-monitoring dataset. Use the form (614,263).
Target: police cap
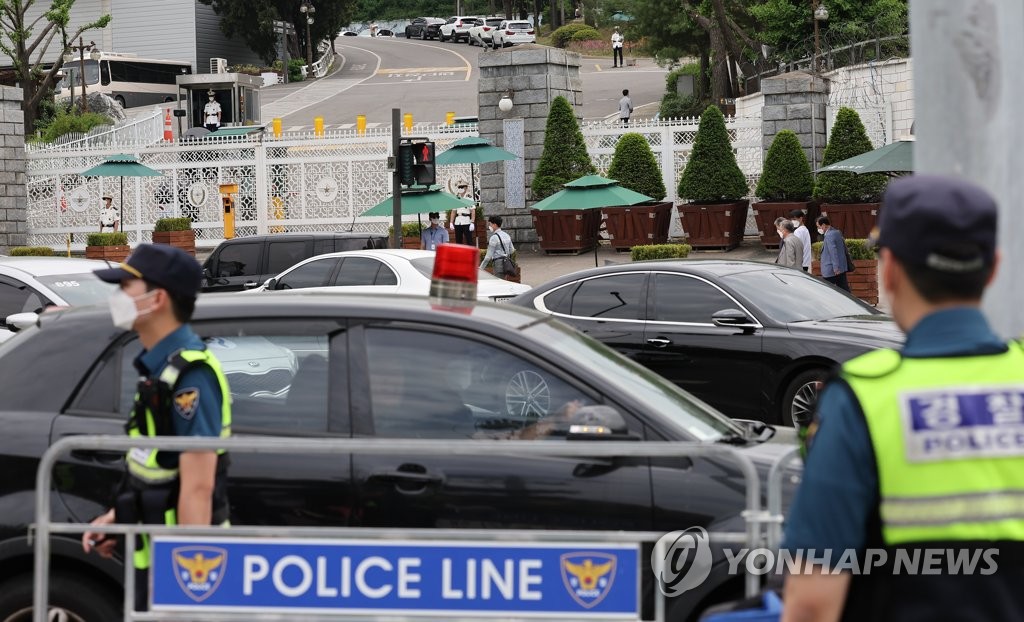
(161,265)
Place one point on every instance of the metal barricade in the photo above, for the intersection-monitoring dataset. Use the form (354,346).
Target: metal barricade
(44,528)
(774,514)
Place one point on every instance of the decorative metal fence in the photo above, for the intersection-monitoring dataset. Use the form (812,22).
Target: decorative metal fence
(145,130)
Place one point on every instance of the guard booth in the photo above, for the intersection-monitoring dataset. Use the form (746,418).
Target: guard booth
(237,93)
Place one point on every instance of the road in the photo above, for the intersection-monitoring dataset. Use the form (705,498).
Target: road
(428,79)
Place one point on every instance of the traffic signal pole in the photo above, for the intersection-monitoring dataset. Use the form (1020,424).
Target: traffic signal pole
(396,182)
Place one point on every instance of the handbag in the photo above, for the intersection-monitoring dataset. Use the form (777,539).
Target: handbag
(509,267)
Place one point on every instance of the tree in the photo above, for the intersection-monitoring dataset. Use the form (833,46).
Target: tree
(253,22)
(787,174)
(27,42)
(712,174)
(565,156)
(635,167)
(848,139)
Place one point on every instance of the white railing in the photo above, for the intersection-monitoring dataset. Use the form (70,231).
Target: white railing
(324,64)
(146,130)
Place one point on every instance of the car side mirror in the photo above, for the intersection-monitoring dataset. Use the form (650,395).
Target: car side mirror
(271,283)
(733,318)
(207,274)
(20,321)
(592,423)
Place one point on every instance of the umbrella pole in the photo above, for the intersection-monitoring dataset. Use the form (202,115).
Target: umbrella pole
(120,223)
(472,184)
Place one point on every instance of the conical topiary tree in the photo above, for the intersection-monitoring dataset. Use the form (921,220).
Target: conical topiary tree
(711,174)
(565,156)
(787,174)
(634,166)
(848,139)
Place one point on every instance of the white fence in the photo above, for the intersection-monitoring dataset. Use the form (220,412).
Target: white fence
(145,130)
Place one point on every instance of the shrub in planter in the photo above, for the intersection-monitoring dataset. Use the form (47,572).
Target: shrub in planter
(659,251)
(172,224)
(31,251)
(109,246)
(175,232)
(785,184)
(565,156)
(411,232)
(117,238)
(634,167)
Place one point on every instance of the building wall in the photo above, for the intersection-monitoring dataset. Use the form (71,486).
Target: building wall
(13,197)
(164,29)
(882,93)
(212,43)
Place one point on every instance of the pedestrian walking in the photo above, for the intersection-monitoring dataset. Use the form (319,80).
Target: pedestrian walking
(919,452)
(791,249)
(801,232)
(109,218)
(499,250)
(434,235)
(182,391)
(625,107)
(834,258)
(617,41)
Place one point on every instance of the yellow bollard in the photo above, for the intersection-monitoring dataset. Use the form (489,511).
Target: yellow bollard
(407,121)
(277,128)
(361,124)
(449,118)
(318,126)
(228,201)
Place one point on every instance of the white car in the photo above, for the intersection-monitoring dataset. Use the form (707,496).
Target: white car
(457,27)
(512,32)
(384,271)
(480,31)
(29,285)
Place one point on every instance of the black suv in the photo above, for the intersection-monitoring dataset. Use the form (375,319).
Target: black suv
(349,366)
(245,263)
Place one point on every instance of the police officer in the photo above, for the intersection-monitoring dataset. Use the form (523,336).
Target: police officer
(182,392)
(920,449)
(108,215)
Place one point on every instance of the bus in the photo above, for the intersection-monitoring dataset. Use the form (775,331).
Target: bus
(130,80)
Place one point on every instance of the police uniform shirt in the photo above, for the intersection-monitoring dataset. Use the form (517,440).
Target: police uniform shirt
(196,401)
(108,216)
(433,236)
(212,111)
(838,496)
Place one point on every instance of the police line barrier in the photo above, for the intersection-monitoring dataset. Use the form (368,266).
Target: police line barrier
(774,497)
(257,566)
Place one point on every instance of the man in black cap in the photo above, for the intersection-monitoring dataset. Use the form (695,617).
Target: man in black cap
(182,391)
(919,452)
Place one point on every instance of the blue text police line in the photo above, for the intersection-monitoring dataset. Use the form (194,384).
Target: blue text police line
(926,561)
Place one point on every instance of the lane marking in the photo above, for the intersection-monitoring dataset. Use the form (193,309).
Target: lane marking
(406,83)
(341,90)
(469,65)
(598,67)
(420,70)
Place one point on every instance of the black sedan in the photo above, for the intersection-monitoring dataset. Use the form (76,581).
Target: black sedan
(751,339)
(423,28)
(325,365)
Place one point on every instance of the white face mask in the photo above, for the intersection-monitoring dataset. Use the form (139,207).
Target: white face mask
(796,223)
(434,221)
(821,231)
(122,308)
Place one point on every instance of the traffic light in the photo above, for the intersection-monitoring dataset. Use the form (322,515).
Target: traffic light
(406,164)
(416,164)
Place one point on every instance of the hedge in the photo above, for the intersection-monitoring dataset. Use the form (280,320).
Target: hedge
(117,238)
(409,229)
(848,139)
(712,174)
(172,224)
(586,34)
(634,166)
(659,251)
(563,35)
(787,174)
(31,251)
(858,248)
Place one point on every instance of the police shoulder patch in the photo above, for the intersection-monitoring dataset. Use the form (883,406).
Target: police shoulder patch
(186,402)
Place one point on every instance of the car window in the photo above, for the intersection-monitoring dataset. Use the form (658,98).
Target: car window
(476,390)
(312,274)
(14,299)
(386,276)
(679,298)
(791,296)
(520,26)
(239,260)
(78,289)
(357,271)
(494,22)
(619,296)
(284,255)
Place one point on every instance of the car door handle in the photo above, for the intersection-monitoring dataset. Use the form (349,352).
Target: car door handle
(659,342)
(250,284)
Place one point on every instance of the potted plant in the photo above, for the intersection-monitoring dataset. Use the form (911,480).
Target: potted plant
(849,200)
(785,185)
(110,246)
(411,232)
(634,167)
(864,279)
(564,159)
(715,214)
(175,232)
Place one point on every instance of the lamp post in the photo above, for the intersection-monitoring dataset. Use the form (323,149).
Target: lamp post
(820,15)
(308,9)
(94,54)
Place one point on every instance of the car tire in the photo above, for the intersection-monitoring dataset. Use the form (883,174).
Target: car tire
(423,35)
(800,397)
(407,35)
(441,37)
(121,101)
(78,598)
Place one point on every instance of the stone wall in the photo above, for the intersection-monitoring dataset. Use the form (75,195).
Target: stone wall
(796,101)
(13,196)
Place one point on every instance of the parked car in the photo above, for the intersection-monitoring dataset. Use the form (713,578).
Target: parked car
(433,31)
(751,339)
(373,367)
(418,27)
(29,285)
(456,28)
(245,263)
(512,32)
(390,270)
(480,32)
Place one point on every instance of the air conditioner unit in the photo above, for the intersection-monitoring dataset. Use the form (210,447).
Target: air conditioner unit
(218,65)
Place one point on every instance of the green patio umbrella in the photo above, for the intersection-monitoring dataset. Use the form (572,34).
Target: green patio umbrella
(420,200)
(590,192)
(473,150)
(895,159)
(121,165)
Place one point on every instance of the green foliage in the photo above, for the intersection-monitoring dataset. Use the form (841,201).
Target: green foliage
(31,251)
(586,34)
(711,174)
(674,106)
(565,156)
(635,167)
(172,224)
(66,122)
(118,238)
(848,139)
(858,247)
(787,174)
(649,252)
(565,34)
(409,230)
(672,77)
(295,66)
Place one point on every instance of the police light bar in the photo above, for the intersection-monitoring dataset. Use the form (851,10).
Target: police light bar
(453,283)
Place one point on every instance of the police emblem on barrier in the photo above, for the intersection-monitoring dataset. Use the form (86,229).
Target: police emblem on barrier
(588,576)
(199,569)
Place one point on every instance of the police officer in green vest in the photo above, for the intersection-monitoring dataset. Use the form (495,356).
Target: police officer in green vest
(182,391)
(919,453)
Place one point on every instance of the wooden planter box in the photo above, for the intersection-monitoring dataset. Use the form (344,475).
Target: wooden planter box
(409,241)
(185,240)
(863,281)
(480,231)
(572,231)
(714,225)
(766,212)
(635,225)
(855,220)
(116,254)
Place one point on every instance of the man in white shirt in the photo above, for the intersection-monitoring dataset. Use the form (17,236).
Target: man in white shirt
(625,107)
(211,113)
(801,232)
(617,41)
(108,216)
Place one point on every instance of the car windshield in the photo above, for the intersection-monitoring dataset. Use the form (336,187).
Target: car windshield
(519,26)
(790,296)
(425,266)
(78,289)
(660,396)
(73,76)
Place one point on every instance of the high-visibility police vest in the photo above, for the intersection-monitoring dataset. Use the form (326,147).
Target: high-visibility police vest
(146,466)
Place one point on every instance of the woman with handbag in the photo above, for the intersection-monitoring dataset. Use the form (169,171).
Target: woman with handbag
(499,250)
